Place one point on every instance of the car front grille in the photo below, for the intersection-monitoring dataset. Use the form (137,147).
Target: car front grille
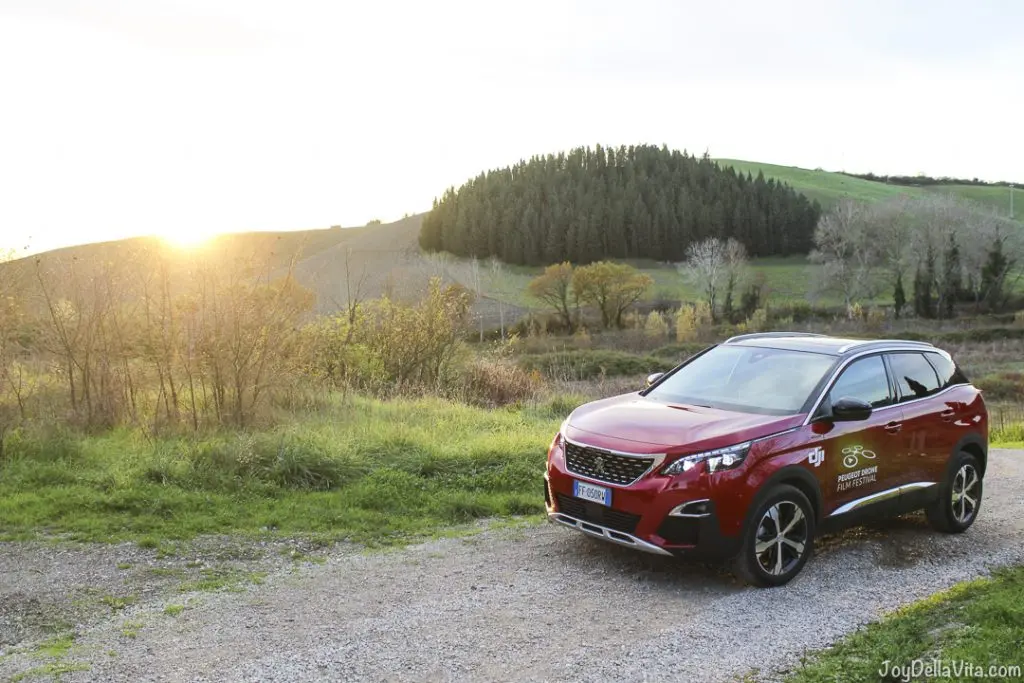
(595,513)
(604,466)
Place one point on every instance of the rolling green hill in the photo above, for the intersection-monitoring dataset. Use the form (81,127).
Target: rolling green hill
(828,187)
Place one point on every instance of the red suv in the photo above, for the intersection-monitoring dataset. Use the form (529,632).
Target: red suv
(749,449)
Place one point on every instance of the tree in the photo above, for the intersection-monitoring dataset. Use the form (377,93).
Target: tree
(845,245)
(993,275)
(554,287)
(899,297)
(713,265)
(736,271)
(611,288)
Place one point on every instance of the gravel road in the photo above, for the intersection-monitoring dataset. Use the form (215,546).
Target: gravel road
(534,603)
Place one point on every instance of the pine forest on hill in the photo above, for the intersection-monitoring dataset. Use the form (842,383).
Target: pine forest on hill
(632,202)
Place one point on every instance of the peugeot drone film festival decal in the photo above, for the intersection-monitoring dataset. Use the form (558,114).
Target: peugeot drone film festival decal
(853,457)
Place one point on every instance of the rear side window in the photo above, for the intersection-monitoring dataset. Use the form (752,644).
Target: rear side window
(915,377)
(949,374)
(866,380)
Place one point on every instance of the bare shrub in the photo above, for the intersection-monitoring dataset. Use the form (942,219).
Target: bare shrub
(496,383)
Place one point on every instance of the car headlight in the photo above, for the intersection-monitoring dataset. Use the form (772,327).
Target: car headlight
(718,459)
(559,439)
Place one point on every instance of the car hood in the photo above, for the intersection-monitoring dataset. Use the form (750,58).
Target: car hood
(635,423)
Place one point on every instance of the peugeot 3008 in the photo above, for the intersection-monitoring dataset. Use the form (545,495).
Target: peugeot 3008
(749,449)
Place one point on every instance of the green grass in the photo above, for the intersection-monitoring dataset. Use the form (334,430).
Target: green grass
(824,186)
(828,187)
(979,622)
(787,279)
(56,647)
(366,471)
(55,670)
(130,629)
(222,579)
(174,610)
(118,603)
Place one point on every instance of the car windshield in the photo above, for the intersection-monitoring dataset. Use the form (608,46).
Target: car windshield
(746,379)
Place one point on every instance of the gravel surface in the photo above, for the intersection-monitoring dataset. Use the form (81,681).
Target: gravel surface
(538,603)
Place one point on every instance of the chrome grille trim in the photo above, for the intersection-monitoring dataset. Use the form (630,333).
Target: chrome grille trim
(621,469)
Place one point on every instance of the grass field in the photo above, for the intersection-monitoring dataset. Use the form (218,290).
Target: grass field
(360,470)
(828,187)
(787,279)
(824,186)
(977,623)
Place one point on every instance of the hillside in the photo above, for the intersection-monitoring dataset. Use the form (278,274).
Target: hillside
(387,258)
(828,187)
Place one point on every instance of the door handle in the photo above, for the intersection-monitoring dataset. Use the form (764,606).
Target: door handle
(947,414)
(894,427)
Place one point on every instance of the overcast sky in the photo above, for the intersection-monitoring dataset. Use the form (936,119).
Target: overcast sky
(191,117)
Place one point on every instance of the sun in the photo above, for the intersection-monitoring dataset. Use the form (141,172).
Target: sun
(186,238)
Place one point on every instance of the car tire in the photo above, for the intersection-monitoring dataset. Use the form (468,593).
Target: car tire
(959,500)
(768,557)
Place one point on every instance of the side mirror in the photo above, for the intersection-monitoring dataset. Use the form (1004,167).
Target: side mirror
(652,378)
(850,410)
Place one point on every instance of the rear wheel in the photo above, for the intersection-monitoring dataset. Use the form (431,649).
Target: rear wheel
(778,539)
(956,508)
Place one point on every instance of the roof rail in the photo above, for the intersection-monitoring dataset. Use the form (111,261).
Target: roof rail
(885,342)
(771,335)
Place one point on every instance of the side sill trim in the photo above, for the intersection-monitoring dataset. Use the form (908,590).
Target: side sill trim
(606,534)
(880,496)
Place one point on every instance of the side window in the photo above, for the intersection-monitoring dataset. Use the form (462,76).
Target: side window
(915,377)
(864,379)
(949,374)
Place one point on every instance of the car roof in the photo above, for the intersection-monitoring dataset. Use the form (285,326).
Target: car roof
(823,344)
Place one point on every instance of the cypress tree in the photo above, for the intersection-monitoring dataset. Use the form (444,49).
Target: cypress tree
(899,297)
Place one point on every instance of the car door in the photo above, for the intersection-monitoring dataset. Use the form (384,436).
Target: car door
(925,433)
(860,461)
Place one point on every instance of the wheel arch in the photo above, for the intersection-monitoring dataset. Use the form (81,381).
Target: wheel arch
(976,446)
(799,478)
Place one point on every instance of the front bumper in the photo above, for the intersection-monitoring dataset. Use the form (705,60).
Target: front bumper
(639,516)
(606,534)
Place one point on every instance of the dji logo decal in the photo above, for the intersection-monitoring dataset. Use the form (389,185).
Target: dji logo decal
(816,456)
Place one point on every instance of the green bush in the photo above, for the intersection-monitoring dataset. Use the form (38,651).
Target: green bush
(679,352)
(578,365)
(1003,386)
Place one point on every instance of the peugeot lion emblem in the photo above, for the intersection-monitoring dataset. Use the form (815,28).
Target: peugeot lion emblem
(599,465)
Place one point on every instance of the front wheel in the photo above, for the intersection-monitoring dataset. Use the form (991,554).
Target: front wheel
(778,538)
(956,508)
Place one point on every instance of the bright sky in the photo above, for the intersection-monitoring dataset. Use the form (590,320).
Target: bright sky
(198,116)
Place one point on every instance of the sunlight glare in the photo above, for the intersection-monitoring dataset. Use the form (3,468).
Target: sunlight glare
(186,238)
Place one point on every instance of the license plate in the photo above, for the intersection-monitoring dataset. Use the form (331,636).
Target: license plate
(595,494)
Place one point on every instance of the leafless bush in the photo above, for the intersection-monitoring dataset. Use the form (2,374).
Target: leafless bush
(154,341)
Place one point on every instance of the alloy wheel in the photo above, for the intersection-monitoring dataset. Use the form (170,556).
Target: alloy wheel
(781,538)
(965,494)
